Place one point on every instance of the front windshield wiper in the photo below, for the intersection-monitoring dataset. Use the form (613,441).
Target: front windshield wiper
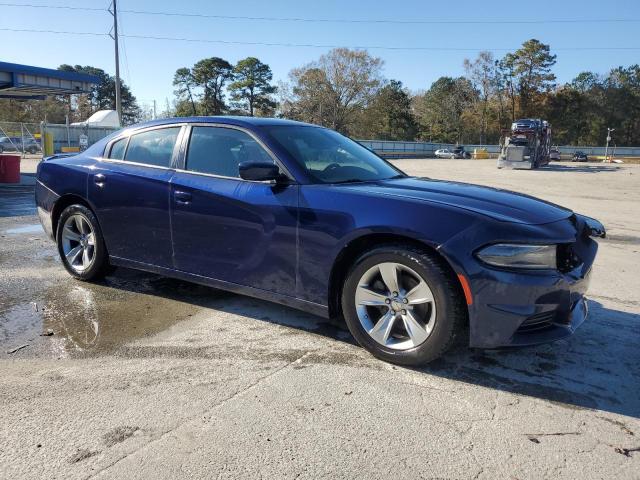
(361,180)
(353,180)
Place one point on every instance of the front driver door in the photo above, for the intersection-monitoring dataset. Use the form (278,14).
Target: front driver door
(227,228)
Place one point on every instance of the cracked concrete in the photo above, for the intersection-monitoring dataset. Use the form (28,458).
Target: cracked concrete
(149,377)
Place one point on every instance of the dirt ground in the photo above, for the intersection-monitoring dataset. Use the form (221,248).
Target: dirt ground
(141,376)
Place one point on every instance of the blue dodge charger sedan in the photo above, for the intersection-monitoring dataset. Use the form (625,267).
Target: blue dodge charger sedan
(301,215)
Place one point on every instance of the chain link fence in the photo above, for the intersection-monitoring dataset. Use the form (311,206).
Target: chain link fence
(60,138)
(23,138)
(393,149)
(30,139)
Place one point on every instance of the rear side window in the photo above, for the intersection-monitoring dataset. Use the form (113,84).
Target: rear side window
(154,147)
(117,149)
(219,151)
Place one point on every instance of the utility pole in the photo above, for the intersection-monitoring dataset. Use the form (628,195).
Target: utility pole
(114,11)
(606,149)
(155,110)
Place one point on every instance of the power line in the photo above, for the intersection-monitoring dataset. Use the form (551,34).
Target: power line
(307,45)
(55,7)
(57,32)
(338,20)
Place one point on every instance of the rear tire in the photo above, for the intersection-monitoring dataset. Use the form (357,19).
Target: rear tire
(425,301)
(81,244)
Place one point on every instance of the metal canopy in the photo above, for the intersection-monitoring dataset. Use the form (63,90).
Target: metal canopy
(26,83)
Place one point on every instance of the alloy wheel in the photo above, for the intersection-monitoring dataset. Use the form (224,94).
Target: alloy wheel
(395,306)
(78,242)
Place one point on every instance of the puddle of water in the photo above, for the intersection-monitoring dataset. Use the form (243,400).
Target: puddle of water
(87,319)
(96,318)
(35,228)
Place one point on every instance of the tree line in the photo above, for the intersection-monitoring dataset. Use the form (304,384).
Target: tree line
(346,90)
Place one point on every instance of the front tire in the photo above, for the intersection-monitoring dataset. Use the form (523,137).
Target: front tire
(81,245)
(403,305)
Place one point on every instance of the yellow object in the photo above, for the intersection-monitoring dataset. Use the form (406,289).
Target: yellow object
(48,144)
(69,149)
(480,153)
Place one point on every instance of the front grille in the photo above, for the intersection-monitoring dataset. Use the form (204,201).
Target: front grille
(537,322)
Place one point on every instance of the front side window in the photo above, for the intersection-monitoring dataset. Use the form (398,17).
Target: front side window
(117,149)
(329,157)
(219,151)
(154,147)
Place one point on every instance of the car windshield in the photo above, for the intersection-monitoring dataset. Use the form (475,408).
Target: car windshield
(329,157)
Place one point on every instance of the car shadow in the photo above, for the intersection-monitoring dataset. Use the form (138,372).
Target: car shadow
(597,368)
(554,167)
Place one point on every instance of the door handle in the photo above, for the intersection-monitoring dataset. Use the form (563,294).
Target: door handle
(99,179)
(182,197)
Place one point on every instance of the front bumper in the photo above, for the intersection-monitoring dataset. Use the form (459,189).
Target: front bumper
(543,332)
(518,307)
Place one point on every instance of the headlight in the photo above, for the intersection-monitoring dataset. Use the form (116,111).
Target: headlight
(520,256)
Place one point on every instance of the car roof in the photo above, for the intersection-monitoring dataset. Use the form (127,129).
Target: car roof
(224,119)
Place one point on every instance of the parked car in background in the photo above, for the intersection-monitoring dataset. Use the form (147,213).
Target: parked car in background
(460,152)
(444,153)
(580,157)
(14,144)
(554,154)
(7,145)
(31,146)
(301,215)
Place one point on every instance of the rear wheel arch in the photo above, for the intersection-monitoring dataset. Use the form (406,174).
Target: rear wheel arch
(357,247)
(63,202)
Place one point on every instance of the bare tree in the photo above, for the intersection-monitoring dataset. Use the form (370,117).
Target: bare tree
(332,89)
(484,77)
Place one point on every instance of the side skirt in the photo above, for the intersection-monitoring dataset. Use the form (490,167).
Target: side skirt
(306,306)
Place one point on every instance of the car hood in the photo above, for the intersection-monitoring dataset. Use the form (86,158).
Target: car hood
(502,205)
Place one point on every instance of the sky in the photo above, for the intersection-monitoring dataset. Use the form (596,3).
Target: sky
(148,65)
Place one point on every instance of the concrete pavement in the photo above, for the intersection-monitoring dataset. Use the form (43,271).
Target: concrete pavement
(140,376)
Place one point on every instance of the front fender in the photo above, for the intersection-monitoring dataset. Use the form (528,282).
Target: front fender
(331,219)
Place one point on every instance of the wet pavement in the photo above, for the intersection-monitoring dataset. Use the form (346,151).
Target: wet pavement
(140,375)
(16,200)
(51,315)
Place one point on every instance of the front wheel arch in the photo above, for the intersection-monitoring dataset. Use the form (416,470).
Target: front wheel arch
(355,248)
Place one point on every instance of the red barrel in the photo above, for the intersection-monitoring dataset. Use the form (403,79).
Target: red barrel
(9,168)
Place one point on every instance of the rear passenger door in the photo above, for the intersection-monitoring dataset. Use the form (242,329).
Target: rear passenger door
(130,191)
(226,228)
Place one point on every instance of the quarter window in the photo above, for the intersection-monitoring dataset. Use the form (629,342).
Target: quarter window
(154,147)
(117,149)
(219,151)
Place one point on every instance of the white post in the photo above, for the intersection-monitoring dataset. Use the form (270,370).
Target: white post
(606,149)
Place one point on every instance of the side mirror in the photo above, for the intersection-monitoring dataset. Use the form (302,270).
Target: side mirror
(259,171)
